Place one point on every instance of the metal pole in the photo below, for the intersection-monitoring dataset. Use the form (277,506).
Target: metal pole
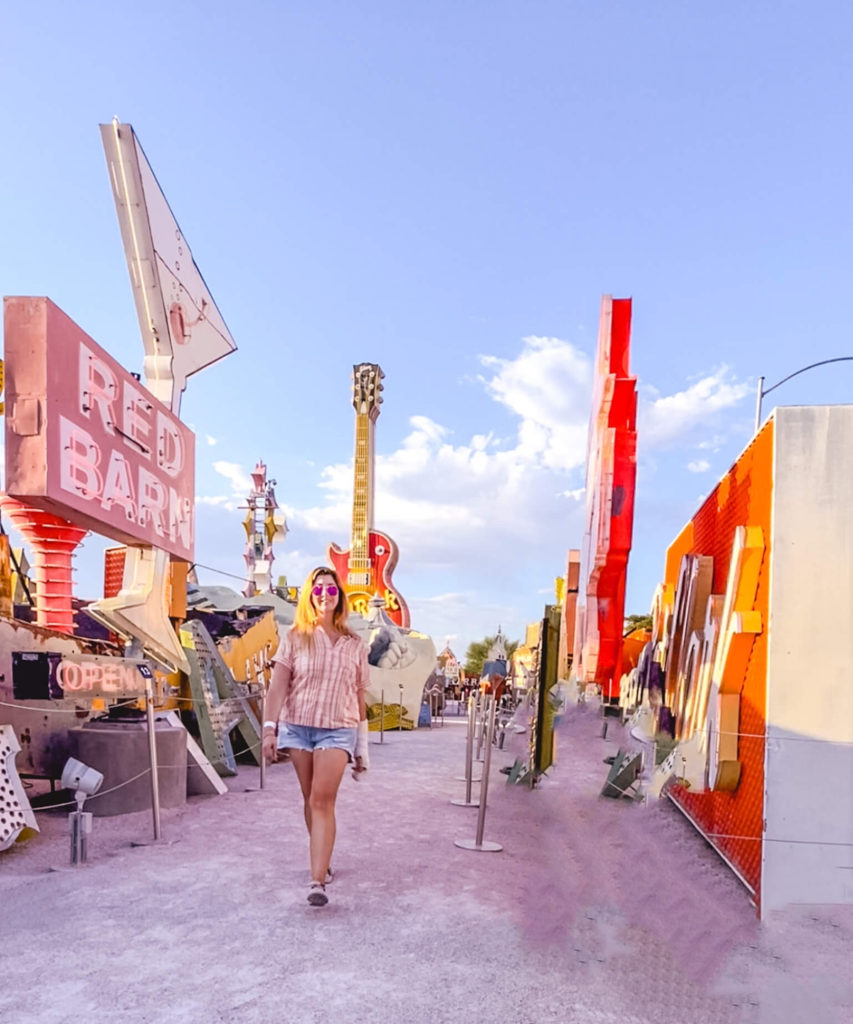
(79,826)
(382,717)
(484,785)
(758,398)
(75,822)
(469,750)
(263,716)
(152,753)
(401,706)
(479,844)
(484,710)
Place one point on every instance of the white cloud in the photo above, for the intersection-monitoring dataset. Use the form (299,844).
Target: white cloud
(699,466)
(240,480)
(210,440)
(241,484)
(442,502)
(218,500)
(450,611)
(668,419)
(548,387)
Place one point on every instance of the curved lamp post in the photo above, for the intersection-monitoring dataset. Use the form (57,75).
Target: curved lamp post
(762,391)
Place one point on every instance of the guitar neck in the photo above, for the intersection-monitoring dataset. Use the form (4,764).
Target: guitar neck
(362,497)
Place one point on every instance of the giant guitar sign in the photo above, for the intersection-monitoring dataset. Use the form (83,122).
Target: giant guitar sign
(366,567)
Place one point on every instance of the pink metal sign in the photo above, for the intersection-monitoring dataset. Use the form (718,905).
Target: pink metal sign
(87,441)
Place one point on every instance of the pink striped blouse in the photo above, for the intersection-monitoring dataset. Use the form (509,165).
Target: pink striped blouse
(325,679)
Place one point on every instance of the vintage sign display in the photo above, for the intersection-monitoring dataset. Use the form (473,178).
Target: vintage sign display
(87,441)
(51,675)
(366,568)
(610,484)
(17,820)
(747,670)
(182,329)
(220,703)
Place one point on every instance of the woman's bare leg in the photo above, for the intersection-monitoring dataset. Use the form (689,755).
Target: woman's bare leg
(303,762)
(329,767)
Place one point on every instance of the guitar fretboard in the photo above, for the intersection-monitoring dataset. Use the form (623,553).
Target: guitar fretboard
(362,499)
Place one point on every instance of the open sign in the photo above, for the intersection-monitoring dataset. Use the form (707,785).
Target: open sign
(51,675)
(96,676)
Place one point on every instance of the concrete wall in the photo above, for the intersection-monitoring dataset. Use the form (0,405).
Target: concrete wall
(808,848)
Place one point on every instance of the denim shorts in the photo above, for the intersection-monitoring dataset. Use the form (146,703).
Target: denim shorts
(309,737)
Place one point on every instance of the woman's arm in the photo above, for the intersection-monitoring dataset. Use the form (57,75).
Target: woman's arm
(361,756)
(279,686)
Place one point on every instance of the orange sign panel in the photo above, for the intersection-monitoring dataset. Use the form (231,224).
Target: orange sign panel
(719,691)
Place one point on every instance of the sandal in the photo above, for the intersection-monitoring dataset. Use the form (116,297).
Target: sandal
(317,894)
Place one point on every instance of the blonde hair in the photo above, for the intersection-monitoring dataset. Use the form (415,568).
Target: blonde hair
(305,619)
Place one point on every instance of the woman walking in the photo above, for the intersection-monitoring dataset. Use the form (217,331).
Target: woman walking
(320,673)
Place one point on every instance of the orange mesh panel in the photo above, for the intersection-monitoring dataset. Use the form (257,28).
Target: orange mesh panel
(742,498)
(113,570)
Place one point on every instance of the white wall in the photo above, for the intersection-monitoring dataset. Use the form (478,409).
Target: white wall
(808,849)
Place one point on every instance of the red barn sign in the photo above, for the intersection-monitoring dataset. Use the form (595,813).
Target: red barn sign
(86,441)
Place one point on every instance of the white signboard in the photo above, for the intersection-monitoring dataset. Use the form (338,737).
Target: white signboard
(182,329)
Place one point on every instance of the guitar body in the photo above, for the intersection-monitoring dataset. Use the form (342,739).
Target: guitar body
(362,583)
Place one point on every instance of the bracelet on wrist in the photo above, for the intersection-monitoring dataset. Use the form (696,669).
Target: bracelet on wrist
(271,725)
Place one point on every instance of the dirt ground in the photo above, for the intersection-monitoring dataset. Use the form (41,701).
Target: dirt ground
(595,910)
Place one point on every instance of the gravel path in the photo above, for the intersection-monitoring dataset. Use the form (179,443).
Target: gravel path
(595,910)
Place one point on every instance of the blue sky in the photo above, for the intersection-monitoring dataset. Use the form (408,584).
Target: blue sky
(447,189)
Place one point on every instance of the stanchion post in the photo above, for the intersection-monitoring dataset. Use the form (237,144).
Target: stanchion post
(469,752)
(478,843)
(382,717)
(401,706)
(484,785)
(262,709)
(152,752)
(484,711)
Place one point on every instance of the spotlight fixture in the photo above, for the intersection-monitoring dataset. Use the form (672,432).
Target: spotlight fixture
(85,781)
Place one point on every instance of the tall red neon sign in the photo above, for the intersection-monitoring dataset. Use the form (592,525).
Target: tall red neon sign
(610,485)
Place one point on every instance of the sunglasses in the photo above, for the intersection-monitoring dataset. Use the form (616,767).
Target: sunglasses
(330,589)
